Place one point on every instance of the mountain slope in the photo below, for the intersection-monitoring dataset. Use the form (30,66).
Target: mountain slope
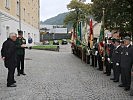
(57,20)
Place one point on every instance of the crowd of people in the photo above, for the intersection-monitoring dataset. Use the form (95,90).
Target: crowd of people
(115,56)
(13,53)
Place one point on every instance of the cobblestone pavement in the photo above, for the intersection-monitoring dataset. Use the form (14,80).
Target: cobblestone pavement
(59,76)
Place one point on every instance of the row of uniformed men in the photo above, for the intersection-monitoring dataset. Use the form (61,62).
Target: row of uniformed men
(118,56)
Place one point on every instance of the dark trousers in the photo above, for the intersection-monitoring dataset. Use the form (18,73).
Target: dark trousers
(92,60)
(126,76)
(88,59)
(108,68)
(20,64)
(116,71)
(95,61)
(100,63)
(10,77)
(131,91)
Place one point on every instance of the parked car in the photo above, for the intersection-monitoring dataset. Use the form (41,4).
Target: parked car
(55,42)
(64,41)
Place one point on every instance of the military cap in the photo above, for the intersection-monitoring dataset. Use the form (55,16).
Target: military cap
(113,39)
(117,40)
(110,38)
(20,32)
(121,41)
(127,38)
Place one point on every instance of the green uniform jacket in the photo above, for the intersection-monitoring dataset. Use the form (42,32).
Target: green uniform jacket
(19,42)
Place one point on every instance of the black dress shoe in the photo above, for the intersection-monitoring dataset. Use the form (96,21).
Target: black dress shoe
(112,79)
(131,93)
(127,88)
(105,73)
(101,70)
(14,81)
(108,74)
(12,85)
(18,74)
(23,73)
(115,81)
(121,85)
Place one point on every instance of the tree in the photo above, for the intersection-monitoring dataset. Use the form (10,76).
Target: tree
(78,12)
(117,13)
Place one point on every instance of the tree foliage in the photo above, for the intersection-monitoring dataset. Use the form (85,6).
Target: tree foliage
(78,11)
(118,13)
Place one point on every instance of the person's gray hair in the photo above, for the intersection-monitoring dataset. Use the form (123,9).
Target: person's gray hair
(12,34)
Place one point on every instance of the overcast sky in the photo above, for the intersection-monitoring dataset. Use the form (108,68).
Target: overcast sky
(51,8)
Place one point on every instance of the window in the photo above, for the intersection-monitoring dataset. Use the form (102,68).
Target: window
(7,4)
(17,8)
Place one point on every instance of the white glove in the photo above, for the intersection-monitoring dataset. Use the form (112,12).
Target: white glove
(108,59)
(117,64)
(96,52)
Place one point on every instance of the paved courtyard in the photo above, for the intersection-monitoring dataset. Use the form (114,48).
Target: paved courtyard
(59,76)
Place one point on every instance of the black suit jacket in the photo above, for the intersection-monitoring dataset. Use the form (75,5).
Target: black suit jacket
(116,55)
(127,57)
(9,52)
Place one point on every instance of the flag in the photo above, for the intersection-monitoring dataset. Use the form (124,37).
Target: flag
(79,30)
(101,38)
(91,34)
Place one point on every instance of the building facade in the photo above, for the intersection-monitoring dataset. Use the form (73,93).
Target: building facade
(53,32)
(19,15)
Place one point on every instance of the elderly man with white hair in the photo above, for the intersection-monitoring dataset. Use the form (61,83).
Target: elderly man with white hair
(8,53)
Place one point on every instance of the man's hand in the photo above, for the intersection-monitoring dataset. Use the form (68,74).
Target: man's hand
(3,58)
(23,45)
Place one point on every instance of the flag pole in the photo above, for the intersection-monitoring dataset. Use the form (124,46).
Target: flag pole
(104,67)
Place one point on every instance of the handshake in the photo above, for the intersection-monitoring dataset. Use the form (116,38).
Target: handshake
(25,46)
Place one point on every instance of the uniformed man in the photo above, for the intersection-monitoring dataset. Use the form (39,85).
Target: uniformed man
(109,52)
(100,55)
(126,64)
(116,59)
(94,53)
(21,44)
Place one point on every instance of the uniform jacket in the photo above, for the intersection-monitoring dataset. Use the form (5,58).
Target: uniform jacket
(127,57)
(19,42)
(9,52)
(116,55)
(111,48)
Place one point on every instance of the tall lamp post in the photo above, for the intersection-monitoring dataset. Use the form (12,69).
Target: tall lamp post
(19,15)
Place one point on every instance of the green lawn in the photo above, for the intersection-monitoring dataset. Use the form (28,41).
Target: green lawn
(45,47)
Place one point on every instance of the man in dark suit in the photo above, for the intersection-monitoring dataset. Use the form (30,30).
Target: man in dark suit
(8,53)
(126,64)
(21,45)
(116,59)
(109,50)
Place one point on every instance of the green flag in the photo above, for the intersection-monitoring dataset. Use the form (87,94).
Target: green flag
(78,33)
(101,37)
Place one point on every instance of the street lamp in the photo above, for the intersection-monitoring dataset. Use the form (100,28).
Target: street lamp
(19,15)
